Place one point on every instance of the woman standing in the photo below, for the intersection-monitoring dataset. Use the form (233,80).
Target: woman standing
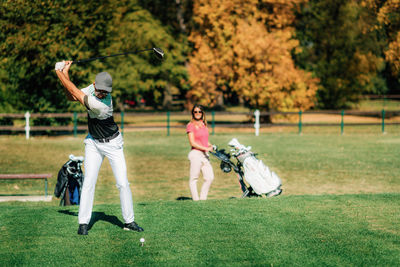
(199,161)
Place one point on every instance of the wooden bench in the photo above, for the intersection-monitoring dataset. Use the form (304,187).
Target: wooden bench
(44,176)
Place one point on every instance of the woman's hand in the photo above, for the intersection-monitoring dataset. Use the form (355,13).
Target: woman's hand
(209,148)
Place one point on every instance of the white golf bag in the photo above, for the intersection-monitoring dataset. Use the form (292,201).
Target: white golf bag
(261,179)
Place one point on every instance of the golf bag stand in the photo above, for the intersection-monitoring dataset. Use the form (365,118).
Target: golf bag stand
(247,190)
(69,182)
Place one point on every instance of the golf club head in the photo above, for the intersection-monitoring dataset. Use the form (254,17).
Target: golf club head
(159,53)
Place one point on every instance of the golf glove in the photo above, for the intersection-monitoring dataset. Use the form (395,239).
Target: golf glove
(60,66)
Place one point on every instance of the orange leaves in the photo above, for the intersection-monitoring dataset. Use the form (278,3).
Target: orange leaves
(393,54)
(387,16)
(390,6)
(242,49)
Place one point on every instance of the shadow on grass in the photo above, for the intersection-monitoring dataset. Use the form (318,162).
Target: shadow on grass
(97,216)
(189,198)
(183,198)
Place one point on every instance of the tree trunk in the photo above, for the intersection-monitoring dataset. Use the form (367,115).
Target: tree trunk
(167,101)
(180,15)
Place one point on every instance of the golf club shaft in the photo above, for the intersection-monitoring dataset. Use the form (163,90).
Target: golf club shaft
(102,57)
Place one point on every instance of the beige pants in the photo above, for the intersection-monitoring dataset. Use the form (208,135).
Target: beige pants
(199,161)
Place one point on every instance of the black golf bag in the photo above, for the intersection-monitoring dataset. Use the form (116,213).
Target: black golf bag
(70,181)
(261,180)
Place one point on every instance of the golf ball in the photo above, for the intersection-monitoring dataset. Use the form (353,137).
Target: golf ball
(142,239)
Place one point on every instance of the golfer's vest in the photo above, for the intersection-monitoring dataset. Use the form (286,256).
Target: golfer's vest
(101,122)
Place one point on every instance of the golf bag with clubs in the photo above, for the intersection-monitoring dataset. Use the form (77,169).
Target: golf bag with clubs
(70,181)
(261,180)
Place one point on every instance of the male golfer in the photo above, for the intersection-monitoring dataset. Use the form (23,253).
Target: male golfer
(104,139)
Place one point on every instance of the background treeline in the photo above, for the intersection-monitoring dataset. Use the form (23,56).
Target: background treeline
(268,54)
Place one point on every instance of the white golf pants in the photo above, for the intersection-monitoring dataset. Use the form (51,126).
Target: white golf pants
(199,162)
(94,155)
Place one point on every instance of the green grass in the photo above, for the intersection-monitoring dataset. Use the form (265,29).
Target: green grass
(340,204)
(346,230)
(158,167)
(378,105)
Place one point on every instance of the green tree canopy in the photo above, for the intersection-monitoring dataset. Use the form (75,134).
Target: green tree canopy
(37,34)
(343,48)
(239,51)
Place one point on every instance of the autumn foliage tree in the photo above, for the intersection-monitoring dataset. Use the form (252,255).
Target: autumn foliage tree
(243,49)
(388,16)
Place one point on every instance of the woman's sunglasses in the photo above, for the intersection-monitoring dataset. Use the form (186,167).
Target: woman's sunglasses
(198,112)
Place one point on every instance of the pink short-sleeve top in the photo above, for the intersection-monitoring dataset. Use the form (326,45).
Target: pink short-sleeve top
(200,134)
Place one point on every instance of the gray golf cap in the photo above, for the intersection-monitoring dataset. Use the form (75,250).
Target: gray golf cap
(103,82)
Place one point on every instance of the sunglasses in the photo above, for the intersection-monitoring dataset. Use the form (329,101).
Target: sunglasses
(198,112)
(102,92)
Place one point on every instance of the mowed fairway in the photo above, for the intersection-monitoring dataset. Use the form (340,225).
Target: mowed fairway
(340,205)
(158,166)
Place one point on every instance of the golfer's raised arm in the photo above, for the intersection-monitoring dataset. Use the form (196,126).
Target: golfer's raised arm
(66,69)
(73,93)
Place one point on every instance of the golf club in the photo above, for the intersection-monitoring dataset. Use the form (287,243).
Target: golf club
(158,52)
